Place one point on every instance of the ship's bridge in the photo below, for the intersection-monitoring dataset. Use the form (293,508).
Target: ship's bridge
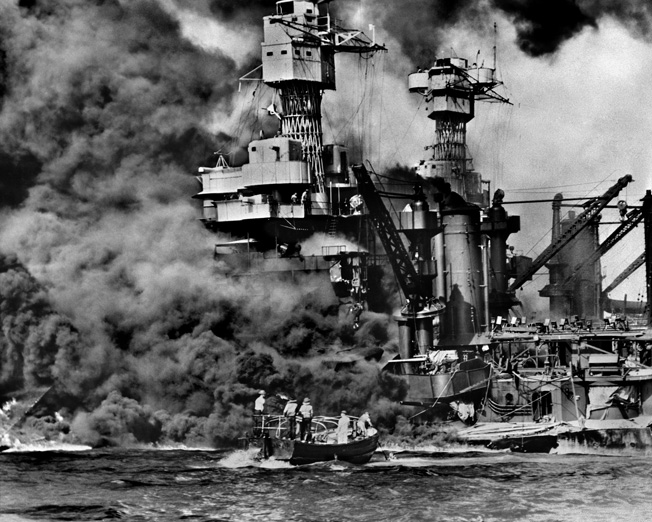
(294,46)
(275,161)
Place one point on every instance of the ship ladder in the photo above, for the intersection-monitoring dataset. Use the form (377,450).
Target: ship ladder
(333,223)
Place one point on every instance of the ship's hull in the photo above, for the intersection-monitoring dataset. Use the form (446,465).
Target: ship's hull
(467,383)
(600,437)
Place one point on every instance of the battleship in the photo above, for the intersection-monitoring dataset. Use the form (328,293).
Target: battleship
(467,349)
(294,185)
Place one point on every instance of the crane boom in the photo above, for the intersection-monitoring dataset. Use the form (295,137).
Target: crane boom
(634,265)
(399,258)
(635,218)
(591,212)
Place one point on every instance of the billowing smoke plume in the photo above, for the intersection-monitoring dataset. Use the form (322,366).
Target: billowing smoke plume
(543,26)
(102,123)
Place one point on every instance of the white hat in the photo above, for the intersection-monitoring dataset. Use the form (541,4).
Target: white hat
(261,392)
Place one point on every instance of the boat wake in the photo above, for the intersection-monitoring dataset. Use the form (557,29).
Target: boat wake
(250,459)
(275,464)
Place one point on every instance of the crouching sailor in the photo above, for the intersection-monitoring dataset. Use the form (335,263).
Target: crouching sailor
(364,423)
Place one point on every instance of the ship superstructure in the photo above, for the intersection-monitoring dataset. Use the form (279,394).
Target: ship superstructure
(294,185)
(454,272)
(472,227)
(450,88)
(462,349)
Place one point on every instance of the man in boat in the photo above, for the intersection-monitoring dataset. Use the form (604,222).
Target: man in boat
(364,423)
(306,418)
(259,410)
(343,428)
(290,412)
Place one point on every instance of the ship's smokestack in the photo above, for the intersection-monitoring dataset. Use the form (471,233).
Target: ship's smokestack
(555,266)
(463,272)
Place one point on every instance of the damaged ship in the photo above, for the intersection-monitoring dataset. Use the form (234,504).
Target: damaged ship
(466,346)
(294,186)
(577,382)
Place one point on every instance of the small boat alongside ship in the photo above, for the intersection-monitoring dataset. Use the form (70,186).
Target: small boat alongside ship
(273,441)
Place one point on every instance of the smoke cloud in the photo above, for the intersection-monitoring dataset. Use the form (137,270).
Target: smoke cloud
(104,110)
(541,26)
(108,290)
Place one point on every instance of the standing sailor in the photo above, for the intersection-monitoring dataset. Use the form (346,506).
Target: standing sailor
(290,413)
(306,420)
(343,428)
(259,405)
(259,409)
(305,201)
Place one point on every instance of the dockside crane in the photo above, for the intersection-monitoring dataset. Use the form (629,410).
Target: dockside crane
(593,209)
(634,265)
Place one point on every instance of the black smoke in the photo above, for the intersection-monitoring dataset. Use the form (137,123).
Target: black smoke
(542,26)
(249,11)
(114,299)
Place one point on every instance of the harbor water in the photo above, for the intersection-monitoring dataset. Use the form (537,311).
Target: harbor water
(227,485)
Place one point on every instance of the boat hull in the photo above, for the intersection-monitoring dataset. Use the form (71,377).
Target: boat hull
(355,452)
(298,452)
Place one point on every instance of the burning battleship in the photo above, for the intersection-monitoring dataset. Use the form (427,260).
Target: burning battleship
(294,186)
(466,346)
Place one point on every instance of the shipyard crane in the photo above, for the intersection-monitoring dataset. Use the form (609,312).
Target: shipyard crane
(635,265)
(409,280)
(635,217)
(594,207)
